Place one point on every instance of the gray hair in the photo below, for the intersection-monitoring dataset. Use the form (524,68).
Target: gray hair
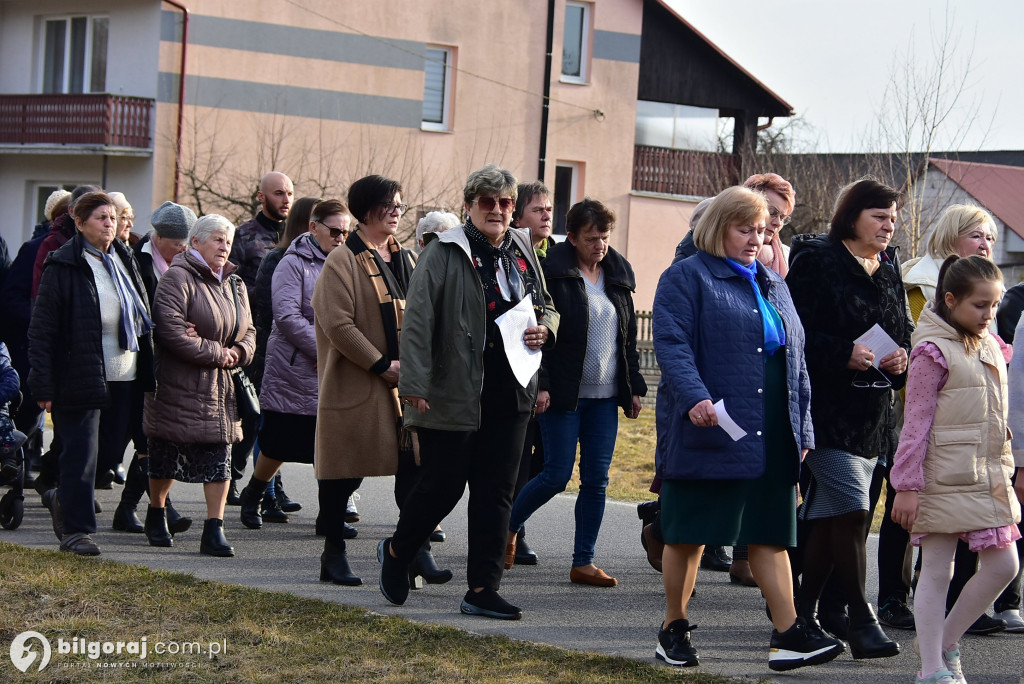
(206,226)
(491,179)
(435,222)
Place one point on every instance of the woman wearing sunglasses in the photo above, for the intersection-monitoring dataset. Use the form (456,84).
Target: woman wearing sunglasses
(842,287)
(469,410)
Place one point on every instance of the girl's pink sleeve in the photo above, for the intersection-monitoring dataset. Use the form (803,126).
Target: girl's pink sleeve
(928,374)
(1005,348)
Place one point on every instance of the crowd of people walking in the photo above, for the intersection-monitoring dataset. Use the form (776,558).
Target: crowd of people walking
(796,382)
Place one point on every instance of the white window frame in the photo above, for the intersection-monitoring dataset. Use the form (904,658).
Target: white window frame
(448,94)
(585,36)
(87,57)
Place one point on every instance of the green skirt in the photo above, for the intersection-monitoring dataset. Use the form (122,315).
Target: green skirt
(731,512)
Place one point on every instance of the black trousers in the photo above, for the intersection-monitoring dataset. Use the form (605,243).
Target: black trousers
(79,434)
(895,554)
(240,451)
(115,421)
(333,496)
(533,456)
(488,461)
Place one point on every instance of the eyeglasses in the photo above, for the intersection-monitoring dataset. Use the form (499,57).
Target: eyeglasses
(389,207)
(126,217)
(488,203)
(877,384)
(776,214)
(334,230)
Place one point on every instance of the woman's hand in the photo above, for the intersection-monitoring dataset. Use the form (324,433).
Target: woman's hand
(543,402)
(634,412)
(703,414)
(904,509)
(419,403)
(535,337)
(390,376)
(894,363)
(48,407)
(861,358)
(803,454)
(190,330)
(228,357)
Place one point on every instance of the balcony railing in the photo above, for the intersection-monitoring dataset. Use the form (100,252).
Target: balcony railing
(96,119)
(682,172)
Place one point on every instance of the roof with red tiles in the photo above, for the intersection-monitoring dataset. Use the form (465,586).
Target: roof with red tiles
(999,188)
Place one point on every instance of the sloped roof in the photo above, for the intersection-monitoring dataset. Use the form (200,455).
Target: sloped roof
(999,188)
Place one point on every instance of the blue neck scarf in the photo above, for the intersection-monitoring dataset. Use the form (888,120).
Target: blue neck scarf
(774,330)
(134,320)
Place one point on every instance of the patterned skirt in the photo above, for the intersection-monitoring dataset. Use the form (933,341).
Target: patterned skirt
(189,461)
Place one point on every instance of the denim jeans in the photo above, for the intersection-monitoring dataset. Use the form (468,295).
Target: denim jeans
(594,425)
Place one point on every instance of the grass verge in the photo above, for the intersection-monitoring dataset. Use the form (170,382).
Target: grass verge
(269,637)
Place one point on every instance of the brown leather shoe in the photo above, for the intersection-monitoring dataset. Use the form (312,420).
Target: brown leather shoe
(510,550)
(653,547)
(739,573)
(598,579)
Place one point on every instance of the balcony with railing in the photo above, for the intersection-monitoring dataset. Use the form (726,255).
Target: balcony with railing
(668,171)
(95,123)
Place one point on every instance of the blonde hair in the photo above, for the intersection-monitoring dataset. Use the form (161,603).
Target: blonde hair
(733,205)
(958,220)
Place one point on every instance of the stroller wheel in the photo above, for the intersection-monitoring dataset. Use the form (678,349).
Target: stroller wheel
(12,510)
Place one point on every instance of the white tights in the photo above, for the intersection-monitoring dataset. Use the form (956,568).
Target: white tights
(936,632)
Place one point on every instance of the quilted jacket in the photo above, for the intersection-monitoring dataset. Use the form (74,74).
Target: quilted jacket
(708,336)
(289,377)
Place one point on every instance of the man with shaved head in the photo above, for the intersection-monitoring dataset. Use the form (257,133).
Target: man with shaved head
(256,237)
(253,239)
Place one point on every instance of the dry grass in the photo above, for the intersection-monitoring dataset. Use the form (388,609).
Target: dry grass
(66,597)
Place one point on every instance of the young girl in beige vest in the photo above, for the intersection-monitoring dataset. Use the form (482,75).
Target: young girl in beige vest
(953,466)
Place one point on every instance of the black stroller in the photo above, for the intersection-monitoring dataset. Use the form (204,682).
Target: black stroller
(13,473)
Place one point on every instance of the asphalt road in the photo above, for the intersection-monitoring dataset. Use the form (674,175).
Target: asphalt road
(733,631)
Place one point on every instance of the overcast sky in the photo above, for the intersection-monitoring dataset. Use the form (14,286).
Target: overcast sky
(832,60)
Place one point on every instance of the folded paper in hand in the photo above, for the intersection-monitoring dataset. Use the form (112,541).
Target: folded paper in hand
(513,324)
(726,422)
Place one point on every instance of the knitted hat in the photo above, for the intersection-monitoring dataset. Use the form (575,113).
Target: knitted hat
(172,221)
(51,202)
(119,200)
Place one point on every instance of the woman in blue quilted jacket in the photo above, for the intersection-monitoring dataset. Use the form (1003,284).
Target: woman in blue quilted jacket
(730,345)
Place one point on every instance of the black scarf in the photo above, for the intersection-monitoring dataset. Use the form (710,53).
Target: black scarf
(502,254)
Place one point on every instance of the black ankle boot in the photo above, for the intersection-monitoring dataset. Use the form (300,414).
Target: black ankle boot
(233,499)
(423,565)
(213,542)
(250,497)
(156,527)
(272,512)
(334,566)
(127,520)
(283,502)
(867,640)
(176,522)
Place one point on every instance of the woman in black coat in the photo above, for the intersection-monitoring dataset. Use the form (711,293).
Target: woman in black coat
(842,287)
(89,340)
(586,377)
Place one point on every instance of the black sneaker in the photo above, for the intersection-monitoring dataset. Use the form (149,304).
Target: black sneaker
(895,613)
(986,625)
(715,558)
(800,646)
(674,645)
(488,603)
(52,504)
(394,574)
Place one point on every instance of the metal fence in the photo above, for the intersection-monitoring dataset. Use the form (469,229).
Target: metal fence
(81,119)
(648,362)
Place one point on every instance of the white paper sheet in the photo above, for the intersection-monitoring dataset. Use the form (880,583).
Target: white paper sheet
(726,422)
(879,342)
(513,324)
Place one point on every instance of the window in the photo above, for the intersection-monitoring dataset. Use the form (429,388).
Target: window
(566,182)
(43,192)
(75,55)
(437,88)
(574,42)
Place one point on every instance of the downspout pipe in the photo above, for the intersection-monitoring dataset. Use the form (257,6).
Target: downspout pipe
(181,96)
(546,108)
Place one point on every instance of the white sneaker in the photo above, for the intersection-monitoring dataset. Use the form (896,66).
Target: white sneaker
(1014,621)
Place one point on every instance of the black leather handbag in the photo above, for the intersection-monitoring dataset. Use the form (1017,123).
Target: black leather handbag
(245,392)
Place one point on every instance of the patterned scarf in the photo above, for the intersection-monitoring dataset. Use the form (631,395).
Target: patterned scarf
(774,330)
(388,283)
(134,319)
(504,262)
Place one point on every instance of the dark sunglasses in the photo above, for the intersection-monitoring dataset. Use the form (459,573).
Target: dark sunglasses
(335,231)
(488,203)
